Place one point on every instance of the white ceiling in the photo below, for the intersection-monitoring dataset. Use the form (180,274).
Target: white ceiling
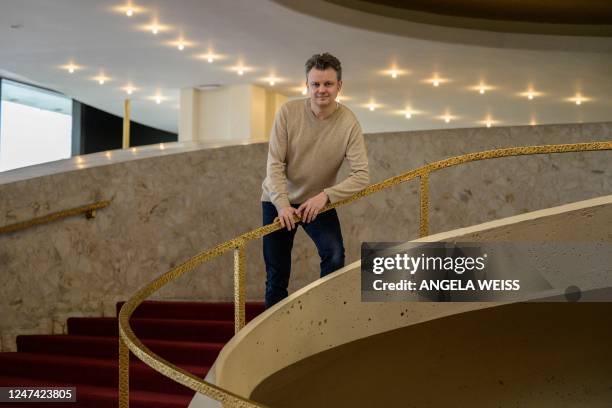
(271,38)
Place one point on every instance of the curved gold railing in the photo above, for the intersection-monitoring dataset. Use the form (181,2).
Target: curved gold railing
(89,210)
(128,341)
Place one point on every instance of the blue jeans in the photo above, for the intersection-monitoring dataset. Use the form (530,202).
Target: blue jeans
(324,231)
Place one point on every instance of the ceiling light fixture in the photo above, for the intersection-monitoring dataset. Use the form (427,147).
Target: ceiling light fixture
(102,79)
(71,68)
(304,91)
(129,12)
(408,115)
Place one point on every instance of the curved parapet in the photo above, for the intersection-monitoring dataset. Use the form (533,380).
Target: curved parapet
(309,326)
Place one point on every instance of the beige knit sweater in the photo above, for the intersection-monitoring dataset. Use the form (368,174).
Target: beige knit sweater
(305,155)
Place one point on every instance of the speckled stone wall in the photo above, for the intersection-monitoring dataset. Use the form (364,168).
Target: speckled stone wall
(166,209)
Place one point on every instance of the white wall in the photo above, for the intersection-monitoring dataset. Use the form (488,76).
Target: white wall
(239,112)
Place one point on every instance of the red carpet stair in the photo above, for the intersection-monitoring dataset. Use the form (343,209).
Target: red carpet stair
(188,334)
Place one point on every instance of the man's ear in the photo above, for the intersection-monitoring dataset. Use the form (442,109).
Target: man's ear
(339,85)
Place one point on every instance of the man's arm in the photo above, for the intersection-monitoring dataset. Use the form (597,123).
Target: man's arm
(275,168)
(359,178)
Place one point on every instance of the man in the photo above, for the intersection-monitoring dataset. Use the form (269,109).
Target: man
(308,143)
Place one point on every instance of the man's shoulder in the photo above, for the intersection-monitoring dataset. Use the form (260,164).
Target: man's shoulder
(295,105)
(348,115)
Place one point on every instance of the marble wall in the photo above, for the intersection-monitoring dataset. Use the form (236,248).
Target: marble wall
(168,208)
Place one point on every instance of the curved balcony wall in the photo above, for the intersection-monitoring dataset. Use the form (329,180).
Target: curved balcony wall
(175,203)
(345,352)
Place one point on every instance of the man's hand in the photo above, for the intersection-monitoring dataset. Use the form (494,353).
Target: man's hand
(286,217)
(310,208)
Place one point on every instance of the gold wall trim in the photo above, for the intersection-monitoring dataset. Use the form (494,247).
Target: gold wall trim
(88,210)
(229,399)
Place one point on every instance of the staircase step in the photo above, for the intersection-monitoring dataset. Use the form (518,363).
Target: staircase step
(93,371)
(194,353)
(215,331)
(193,310)
(91,396)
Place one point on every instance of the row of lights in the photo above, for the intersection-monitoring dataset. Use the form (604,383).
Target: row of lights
(482,88)
(102,79)
(155,27)
(182,43)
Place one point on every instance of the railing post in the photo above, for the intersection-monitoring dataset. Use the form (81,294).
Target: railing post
(424,196)
(239,286)
(124,374)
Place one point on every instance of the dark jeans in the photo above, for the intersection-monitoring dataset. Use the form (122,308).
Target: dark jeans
(324,231)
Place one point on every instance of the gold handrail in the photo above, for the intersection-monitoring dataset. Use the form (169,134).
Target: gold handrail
(128,341)
(89,210)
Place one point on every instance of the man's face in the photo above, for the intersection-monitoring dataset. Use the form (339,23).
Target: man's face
(323,86)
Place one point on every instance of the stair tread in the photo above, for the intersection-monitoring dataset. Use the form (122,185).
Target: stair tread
(80,360)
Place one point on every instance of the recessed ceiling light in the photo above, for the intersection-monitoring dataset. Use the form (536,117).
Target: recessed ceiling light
(393,72)
(447,117)
(102,79)
(578,99)
(129,89)
(181,43)
(408,115)
(71,67)
(436,80)
(304,91)
(272,80)
(531,93)
(240,69)
(372,106)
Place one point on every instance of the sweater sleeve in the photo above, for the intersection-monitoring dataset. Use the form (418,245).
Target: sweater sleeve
(359,177)
(276,166)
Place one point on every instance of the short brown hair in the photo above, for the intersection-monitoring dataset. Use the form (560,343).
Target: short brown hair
(322,62)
